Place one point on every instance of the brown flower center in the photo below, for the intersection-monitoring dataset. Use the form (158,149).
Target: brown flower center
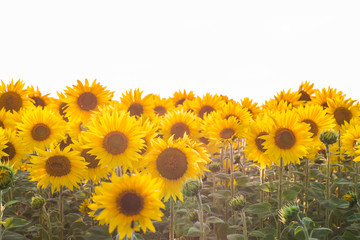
(160,110)
(341,115)
(11,101)
(259,142)
(179,129)
(87,101)
(90,159)
(65,143)
(324,105)
(115,142)
(130,203)
(2,124)
(58,166)
(313,127)
(284,138)
(10,150)
(171,163)
(205,109)
(38,101)
(304,96)
(40,132)
(136,109)
(227,133)
(180,102)
(204,140)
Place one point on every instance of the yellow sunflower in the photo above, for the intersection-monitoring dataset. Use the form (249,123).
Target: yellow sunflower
(13,97)
(136,105)
(254,148)
(41,127)
(7,119)
(234,109)
(289,97)
(115,138)
(318,155)
(349,137)
(205,141)
(38,98)
(172,162)
(342,110)
(321,97)
(59,106)
(177,123)
(129,203)
(307,91)
(74,127)
(273,106)
(3,143)
(251,106)
(205,105)
(289,139)
(83,99)
(15,149)
(58,168)
(180,97)
(162,105)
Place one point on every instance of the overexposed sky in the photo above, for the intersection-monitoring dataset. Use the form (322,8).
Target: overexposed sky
(235,48)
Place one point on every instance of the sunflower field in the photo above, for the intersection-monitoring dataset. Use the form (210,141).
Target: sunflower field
(87,166)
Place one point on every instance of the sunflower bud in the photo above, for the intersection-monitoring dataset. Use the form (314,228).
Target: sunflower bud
(7,176)
(237,203)
(214,167)
(328,137)
(37,202)
(193,216)
(191,187)
(351,198)
(289,213)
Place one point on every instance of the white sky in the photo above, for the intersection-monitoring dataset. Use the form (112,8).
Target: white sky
(235,48)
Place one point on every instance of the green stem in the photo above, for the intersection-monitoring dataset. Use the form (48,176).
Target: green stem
(306,233)
(279,196)
(201,216)
(328,172)
(172,219)
(214,187)
(262,173)
(306,186)
(243,218)
(61,212)
(232,187)
(356,179)
(48,223)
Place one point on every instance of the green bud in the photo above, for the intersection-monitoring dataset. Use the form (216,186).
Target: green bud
(328,136)
(191,187)
(237,203)
(289,213)
(37,202)
(351,198)
(214,167)
(7,176)
(193,216)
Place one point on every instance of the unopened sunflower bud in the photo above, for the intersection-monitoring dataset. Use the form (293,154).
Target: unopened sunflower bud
(193,216)
(328,137)
(214,167)
(37,202)
(191,187)
(289,213)
(238,203)
(351,198)
(7,176)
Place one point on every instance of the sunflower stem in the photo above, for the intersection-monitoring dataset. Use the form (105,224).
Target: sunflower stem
(356,179)
(214,188)
(172,219)
(262,177)
(201,216)
(232,187)
(243,218)
(280,194)
(306,233)
(61,211)
(328,172)
(306,208)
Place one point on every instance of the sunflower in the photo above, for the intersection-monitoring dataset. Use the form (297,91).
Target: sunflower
(307,91)
(254,148)
(205,141)
(84,207)
(162,105)
(234,109)
(136,105)
(273,106)
(74,127)
(59,106)
(41,127)
(318,155)
(316,117)
(3,141)
(289,97)
(172,162)
(7,119)
(83,99)
(349,137)
(58,168)
(115,138)
(180,97)
(289,139)
(38,98)
(15,149)
(177,123)
(321,97)
(13,97)
(251,106)
(342,110)
(128,203)
(205,105)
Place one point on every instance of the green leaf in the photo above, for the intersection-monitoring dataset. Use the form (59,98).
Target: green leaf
(235,237)
(223,176)
(268,187)
(257,233)
(15,222)
(269,237)
(213,219)
(259,208)
(14,236)
(349,236)
(11,203)
(289,194)
(297,230)
(353,218)
(98,233)
(341,181)
(194,231)
(98,211)
(222,231)
(321,232)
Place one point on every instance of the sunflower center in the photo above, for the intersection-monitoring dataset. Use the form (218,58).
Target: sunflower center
(284,138)
(313,127)
(324,105)
(160,110)
(40,132)
(259,142)
(180,102)
(136,109)
(171,163)
(90,159)
(10,150)
(38,101)
(115,142)
(204,140)
(227,133)
(179,129)
(342,114)
(304,96)
(232,115)
(87,101)
(65,143)
(205,109)
(58,166)
(130,203)
(11,101)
